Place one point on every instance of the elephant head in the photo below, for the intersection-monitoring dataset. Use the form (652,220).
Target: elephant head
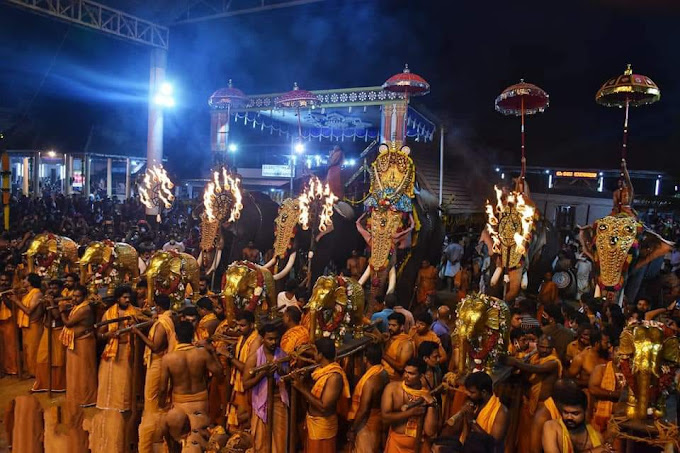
(284,234)
(481,333)
(169,273)
(336,305)
(247,286)
(618,245)
(112,263)
(53,254)
(649,355)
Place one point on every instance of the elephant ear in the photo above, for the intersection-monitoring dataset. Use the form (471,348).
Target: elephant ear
(670,351)
(106,253)
(493,318)
(626,343)
(176,265)
(651,246)
(52,245)
(586,237)
(340,296)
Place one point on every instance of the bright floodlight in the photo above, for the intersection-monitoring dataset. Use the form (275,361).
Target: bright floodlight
(233,147)
(166,88)
(299,148)
(351,162)
(51,153)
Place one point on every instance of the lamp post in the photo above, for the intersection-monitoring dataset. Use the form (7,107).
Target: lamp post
(297,148)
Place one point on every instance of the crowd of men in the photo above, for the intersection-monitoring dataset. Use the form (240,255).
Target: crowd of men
(205,382)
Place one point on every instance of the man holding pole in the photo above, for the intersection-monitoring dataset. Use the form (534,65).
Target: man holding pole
(50,372)
(410,411)
(29,315)
(330,384)
(115,370)
(269,396)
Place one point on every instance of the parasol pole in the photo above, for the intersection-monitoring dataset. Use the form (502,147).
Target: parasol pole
(625,131)
(524,162)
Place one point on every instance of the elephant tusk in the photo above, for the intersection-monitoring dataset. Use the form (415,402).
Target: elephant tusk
(598,292)
(216,262)
(496,276)
(270,263)
(365,276)
(286,270)
(392,281)
(200,257)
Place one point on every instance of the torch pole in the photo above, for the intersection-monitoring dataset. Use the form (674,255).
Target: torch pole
(625,131)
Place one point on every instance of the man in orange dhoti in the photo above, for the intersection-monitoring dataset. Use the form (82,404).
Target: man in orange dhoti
(115,371)
(25,425)
(365,434)
(161,340)
(330,385)
(8,330)
(483,420)
(29,318)
(258,383)
(295,334)
(239,409)
(426,282)
(543,370)
(422,332)
(570,430)
(399,348)
(404,424)
(53,326)
(186,370)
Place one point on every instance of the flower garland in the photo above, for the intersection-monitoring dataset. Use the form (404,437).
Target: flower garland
(480,355)
(333,323)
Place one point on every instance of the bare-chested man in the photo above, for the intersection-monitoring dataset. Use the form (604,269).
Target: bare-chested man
(584,363)
(571,433)
(185,370)
(251,253)
(81,348)
(356,264)
(399,348)
(403,424)
(483,421)
(605,387)
(547,410)
(365,434)
(542,372)
(330,384)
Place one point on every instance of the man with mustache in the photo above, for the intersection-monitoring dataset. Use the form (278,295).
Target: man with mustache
(571,433)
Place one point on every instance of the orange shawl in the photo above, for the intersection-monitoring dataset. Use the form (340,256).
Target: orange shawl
(165,320)
(111,349)
(356,397)
(294,337)
(5,312)
(67,335)
(393,350)
(567,446)
(486,417)
(23,320)
(552,408)
(603,408)
(535,391)
(321,375)
(201,330)
(242,353)
(411,428)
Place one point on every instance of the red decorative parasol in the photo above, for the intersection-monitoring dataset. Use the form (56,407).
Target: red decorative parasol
(297,99)
(522,99)
(408,83)
(226,98)
(627,90)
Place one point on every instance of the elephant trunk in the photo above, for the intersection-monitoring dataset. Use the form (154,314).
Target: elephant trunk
(460,366)
(229,308)
(312,325)
(642,394)
(31,264)
(83,272)
(150,290)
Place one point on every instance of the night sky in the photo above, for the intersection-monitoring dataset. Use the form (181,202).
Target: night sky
(59,82)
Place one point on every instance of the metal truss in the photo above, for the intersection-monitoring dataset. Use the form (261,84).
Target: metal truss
(99,17)
(202,10)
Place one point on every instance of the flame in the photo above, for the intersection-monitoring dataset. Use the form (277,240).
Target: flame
(316,191)
(156,189)
(511,201)
(215,208)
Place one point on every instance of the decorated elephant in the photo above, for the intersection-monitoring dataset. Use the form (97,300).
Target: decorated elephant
(248,286)
(54,255)
(649,357)
(335,307)
(169,273)
(109,263)
(292,242)
(621,248)
(481,333)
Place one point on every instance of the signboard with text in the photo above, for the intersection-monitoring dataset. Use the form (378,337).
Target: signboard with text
(276,171)
(576,174)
